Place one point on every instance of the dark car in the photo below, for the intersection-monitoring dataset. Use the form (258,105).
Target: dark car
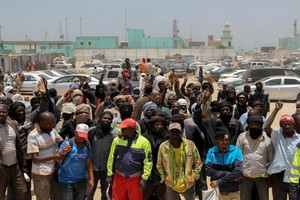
(257,73)
(179,69)
(215,74)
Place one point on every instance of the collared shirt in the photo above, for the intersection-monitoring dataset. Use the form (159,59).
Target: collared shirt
(45,145)
(8,145)
(258,154)
(285,149)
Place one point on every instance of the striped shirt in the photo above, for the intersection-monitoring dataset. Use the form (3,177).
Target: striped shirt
(45,145)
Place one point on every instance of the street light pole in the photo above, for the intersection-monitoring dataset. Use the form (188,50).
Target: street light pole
(66,29)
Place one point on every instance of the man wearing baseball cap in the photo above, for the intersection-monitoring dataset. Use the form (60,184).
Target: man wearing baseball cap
(76,163)
(129,161)
(285,142)
(224,164)
(179,165)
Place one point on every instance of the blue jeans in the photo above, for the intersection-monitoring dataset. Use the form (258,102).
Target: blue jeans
(74,191)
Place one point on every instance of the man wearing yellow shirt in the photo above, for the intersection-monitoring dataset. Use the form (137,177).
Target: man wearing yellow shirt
(179,165)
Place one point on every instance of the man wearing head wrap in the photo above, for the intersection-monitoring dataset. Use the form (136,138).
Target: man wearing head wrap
(259,94)
(82,113)
(224,164)
(149,110)
(8,91)
(183,107)
(159,80)
(242,105)
(285,142)
(256,160)
(230,96)
(156,134)
(136,92)
(101,137)
(76,96)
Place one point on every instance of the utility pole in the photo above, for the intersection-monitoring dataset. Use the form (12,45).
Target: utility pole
(66,29)
(80,26)
(0,32)
(126,25)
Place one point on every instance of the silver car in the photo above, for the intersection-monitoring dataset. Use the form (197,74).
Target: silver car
(62,84)
(278,87)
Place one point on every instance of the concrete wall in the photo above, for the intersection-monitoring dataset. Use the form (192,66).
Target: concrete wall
(203,53)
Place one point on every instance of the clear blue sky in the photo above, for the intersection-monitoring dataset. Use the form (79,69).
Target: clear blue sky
(254,23)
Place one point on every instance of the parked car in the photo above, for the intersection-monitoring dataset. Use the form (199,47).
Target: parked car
(257,73)
(31,79)
(179,69)
(231,81)
(215,74)
(193,66)
(62,84)
(62,65)
(233,74)
(278,87)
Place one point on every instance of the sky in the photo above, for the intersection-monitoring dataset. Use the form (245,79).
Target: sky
(253,23)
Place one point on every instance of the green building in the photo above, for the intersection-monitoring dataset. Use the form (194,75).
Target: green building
(226,38)
(290,42)
(97,42)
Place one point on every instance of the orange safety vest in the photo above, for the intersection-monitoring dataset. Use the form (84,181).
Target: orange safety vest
(143,67)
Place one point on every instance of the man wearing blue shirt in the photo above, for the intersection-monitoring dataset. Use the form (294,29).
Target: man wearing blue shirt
(75,165)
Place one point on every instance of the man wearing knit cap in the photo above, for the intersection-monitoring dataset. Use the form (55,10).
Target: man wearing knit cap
(149,110)
(67,113)
(258,154)
(177,170)
(156,134)
(138,106)
(224,164)
(284,141)
(82,113)
(259,94)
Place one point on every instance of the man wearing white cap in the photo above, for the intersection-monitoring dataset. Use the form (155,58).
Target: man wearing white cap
(66,114)
(75,165)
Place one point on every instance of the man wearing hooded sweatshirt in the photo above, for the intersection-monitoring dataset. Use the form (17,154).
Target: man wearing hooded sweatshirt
(100,138)
(259,94)
(156,134)
(149,111)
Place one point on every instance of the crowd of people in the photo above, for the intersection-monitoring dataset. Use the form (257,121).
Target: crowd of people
(155,141)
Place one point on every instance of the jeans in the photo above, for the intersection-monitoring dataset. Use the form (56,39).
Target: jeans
(154,192)
(190,194)
(280,189)
(73,191)
(45,187)
(230,196)
(12,177)
(99,175)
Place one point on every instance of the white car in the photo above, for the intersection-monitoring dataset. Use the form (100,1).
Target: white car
(278,87)
(62,84)
(62,65)
(29,86)
(234,74)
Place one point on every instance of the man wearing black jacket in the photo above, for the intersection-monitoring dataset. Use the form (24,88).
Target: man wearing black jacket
(101,137)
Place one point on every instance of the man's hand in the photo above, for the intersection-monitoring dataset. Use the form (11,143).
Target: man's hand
(142,184)
(42,87)
(278,105)
(185,80)
(69,92)
(214,184)
(91,184)
(109,180)
(66,150)
(107,100)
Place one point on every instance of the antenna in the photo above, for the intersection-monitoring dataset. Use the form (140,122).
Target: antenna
(80,26)
(0,32)
(295,28)
(125,25)
(61,35)
(66,29)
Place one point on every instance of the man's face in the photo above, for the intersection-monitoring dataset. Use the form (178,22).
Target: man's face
(119,102)
(183,107)
(175,107)
(258,107)
(46,126)
(158,127)
(259,87)
(174,134)
(225,87)
(20,111)
(129,132)
(106,119)
(149,113)
(80,140)
(242,100)
(225,111)
(157,100)
(3,115)
(223,143)
(287,128)
(196,90)
(171,100)
(136,92)
(162,86)
(254,125)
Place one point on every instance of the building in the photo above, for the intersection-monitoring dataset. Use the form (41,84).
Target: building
(224,42)
(97,42)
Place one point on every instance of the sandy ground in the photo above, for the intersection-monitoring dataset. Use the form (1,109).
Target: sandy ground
(288,108)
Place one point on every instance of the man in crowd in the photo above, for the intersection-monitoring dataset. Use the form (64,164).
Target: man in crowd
(12,162)
(75,164)
(101,137)
(224,164)
(259,94)
(138,106)
(130,161)
(258,153)
(284,141)
(176,169)
(42,147)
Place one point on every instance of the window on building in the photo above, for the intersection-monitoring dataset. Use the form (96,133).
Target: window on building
(89,43)
(81,43)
